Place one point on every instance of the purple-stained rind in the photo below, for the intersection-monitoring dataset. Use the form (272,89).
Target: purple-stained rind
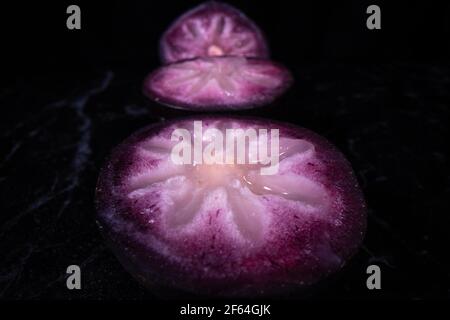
(249,83)
(299,250)
(209,27)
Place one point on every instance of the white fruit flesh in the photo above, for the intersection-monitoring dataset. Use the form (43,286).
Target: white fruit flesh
(240,189)
(212,29)
(218,81)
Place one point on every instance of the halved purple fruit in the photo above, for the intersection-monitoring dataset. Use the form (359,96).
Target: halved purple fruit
(226,229)
(216,60)
(218,83)
(212,29)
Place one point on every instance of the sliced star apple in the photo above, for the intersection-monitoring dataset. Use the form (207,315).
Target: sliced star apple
(225,229)
(218,83)
(212,29)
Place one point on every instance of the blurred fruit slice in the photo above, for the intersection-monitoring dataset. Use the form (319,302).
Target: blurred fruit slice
(219,83)
(212,29)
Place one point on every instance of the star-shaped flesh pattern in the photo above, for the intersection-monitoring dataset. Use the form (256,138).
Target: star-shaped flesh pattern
(218,83)
(215,58)
(225,229)
(212,29)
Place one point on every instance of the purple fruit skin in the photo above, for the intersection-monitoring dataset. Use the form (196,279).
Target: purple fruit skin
(330,245)
(174,49)
(205,9)
(257,99)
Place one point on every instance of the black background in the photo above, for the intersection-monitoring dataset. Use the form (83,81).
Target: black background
(69,96)
(126,33)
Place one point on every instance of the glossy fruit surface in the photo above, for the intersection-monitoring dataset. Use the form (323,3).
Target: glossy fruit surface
(226,229)
(218,83)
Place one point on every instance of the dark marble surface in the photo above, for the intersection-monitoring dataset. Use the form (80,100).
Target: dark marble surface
(390,120)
